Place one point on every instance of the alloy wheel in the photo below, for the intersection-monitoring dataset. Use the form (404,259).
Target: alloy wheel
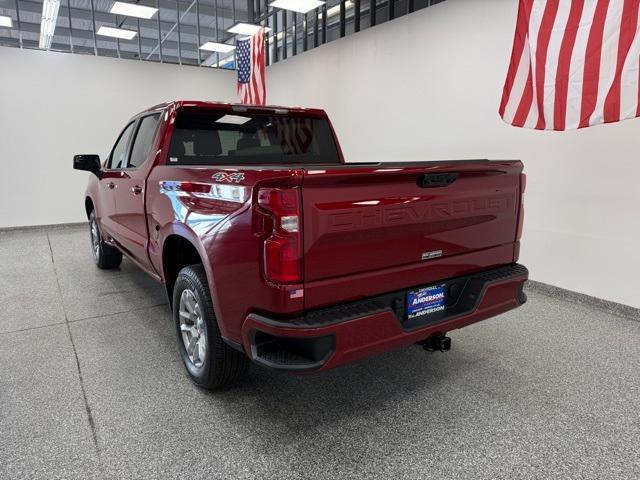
(95,240)
(192,328)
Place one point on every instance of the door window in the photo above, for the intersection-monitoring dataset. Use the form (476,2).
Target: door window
(119,153)
(144,140)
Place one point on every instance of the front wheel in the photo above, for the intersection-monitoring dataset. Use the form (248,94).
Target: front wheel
(210,362)
(105,256)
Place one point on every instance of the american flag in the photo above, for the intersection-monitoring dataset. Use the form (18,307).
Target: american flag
(575,63)
(250,65)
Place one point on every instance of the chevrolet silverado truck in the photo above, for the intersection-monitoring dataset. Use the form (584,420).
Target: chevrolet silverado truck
(274,250)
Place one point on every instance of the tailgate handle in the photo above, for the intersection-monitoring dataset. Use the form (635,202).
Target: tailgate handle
(431,180)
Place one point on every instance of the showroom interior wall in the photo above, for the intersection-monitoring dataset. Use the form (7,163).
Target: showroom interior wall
(54,105)
(427,86)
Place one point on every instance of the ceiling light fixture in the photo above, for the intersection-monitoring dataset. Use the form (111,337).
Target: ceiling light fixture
(300,6)
(6,21)
(120,33)
(133,10)
(247,29)
(217,47)
(48,23)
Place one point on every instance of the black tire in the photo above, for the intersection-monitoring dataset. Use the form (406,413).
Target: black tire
(222,364)
(104,256)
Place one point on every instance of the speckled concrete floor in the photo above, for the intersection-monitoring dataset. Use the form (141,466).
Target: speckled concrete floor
(91,386)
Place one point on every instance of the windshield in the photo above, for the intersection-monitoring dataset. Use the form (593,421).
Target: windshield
(215,138)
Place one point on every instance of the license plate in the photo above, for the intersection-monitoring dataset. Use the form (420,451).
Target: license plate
(425,301)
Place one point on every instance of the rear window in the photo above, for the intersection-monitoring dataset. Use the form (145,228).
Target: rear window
(214,138)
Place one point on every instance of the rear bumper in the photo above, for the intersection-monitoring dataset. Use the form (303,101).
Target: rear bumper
(329,337)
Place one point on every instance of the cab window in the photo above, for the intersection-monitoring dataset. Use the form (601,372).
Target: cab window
(118,155)
(202,137)
(144,140)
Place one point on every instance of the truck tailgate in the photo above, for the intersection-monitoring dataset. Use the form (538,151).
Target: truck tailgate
(359,220)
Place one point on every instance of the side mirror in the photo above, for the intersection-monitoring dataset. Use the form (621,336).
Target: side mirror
(90,163)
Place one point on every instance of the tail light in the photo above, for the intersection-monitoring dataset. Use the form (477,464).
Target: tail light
(282,250)
(523,186)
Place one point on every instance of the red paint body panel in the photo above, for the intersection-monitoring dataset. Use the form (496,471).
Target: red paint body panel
(364,230)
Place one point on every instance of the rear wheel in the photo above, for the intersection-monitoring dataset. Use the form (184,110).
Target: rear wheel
(210,362)
(105,256)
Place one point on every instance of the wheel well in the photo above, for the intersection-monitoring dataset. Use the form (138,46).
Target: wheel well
(178,253)
(88,206)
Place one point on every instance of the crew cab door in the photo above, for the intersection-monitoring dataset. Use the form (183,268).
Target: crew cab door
(109,179)
(130,216)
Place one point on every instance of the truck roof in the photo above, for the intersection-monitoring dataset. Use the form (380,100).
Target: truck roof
(238,107)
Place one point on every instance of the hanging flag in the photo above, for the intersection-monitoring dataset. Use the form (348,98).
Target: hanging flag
(575,63)
(250,66)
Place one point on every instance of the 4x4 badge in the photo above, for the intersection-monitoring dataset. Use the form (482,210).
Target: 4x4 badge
(228,177)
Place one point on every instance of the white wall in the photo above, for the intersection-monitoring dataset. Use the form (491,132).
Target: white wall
(54,105)
(427,86)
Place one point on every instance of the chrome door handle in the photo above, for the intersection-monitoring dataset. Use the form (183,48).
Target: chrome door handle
(136,189)
(111,185)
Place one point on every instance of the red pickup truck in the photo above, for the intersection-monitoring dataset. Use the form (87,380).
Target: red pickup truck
(273,249)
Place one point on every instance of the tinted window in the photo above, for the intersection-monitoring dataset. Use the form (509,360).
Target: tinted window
(119,152)
(213,138)
(144,140)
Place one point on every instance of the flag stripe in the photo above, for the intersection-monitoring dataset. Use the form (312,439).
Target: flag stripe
(609,55)
(591,78)
(564,65)
(526,103)
(520,43)
(629,87)
(576,73)
(628,28)
(544,37)
(553,58)
(517,87)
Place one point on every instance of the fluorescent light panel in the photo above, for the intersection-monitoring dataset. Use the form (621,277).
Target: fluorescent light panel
(246,29)
(133,10)
(116,32)
(48,23)
(6,21)
(301,6)
(217,47)
(233,119)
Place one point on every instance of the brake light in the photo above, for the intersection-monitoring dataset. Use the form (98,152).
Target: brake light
(282,250)
(523,186)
